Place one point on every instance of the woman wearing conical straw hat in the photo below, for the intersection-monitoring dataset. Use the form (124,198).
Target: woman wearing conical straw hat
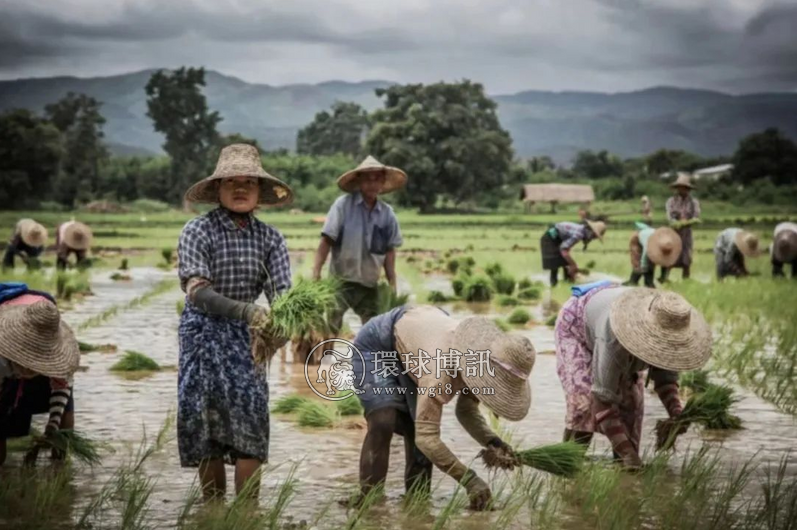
(417,349)
(227,258)
(733,245)
(683,211)
(651,247)
(72,237)
(606,336)
(559,239)
(784,249)
(38,356)
(27,242)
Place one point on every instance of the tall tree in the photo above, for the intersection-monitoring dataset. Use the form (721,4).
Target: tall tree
(78,118)
(179,110)
(768,154)
(341,131)
(446,136)
(596,165)
(30,155)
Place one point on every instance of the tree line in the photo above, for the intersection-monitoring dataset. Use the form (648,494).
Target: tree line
(447,136)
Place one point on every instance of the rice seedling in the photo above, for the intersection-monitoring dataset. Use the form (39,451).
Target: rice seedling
(436,297)
(494,269)
(564,459)
(502,324)
(387,299)
(524,283)
(478,289)
(119,277)
(504,283)
(70,442)
(530,293)
(158,289)
(458,285)
(35,498)
(167,254)
(134,361)
(591,264)
(695,381)
(519,316)
(289,404)
(124,265)
(709,409)
(105,348)
(456,503)
(361,505)
(452,266)
(350,407)
(507,301)
(312,414)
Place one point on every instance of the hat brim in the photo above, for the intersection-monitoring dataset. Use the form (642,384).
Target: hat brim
(33,234)
(72,240)
(654,249)
(595,230)
(273,192)
(741,243)
(681,185)
(678,351)
(394,179)
(784,248)
(60,359)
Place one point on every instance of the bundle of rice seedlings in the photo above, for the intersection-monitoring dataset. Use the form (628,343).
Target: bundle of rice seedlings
(478,289)
(519,316)
(134,361)
(168,254)
(123,266)
(436,297)
(289,404)
(386,299)
(33,264)
(494,269)
(502,324)
(458,285)
(70,442)
(452,266)
(591,264)
(86,347)
(312,414)
(504,283)
(563,459)
(709,409)
(524,283)
(350,407)
(508,301)
(119,277)
(530,293)
(695,381)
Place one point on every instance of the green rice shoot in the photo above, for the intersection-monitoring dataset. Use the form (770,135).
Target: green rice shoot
(563,459)
(695,381)
(350,407)
(73,443)
(519,316)
(289,404)
(134,361)
(312,414)
(301,310)
(711,408)
(386,299)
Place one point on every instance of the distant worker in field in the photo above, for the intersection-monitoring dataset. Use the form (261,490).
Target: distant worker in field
(27,242)
(363,233)
(683,211)
(647,211)
(38,357)
(606,337)
(733,245)
(784,249)
(560,238)
(650,247)
(72,237)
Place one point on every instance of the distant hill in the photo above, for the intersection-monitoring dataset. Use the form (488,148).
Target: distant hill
(554,123)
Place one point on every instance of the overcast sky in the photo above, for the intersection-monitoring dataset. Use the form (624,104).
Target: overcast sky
(508,45)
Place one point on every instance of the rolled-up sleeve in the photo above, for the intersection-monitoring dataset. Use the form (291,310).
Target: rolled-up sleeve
(193,252)
(279,268)
(334,222)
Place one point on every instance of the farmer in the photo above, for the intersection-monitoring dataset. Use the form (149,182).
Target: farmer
(557,241)
(682,211)
(499,381)
(650,247)
(70,237)
(38,355)
(227,258)
(647,215)
(606,336)
(27,242)
(730,249)
(784,249)
(363,233)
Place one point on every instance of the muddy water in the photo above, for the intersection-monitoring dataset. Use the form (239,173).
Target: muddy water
(118,410)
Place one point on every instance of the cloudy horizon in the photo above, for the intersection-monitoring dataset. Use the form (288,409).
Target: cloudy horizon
(734,46)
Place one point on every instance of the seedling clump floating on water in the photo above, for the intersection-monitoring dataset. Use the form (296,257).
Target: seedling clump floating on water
(519,316)
(134,361)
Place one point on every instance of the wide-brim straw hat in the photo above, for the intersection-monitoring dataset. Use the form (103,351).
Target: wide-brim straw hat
(77,236)
(34,337)
(598,228)
(32,233)
(511,359)
(747,243)
(664,247)
(240,160)
(661,328)
(684,180)
(394,177)
(784,248)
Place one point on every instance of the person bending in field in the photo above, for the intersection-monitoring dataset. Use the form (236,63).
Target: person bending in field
(784,249)
(38,356)
(72,237)
(557,242)
(606,337)
(413,335)
(27,242)
(733,245)
(649,247)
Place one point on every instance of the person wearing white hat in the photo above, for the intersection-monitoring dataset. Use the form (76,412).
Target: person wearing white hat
(650,247)
(731,248)
(784,249)
(27,242)
(415,360)
(606,336)
(362,233)
(559,239)
(227,259)
(647,214)
(38,356)
(683,211)
(72,237)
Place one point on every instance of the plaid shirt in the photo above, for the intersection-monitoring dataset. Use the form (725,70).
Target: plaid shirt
(570,234)
(239,262)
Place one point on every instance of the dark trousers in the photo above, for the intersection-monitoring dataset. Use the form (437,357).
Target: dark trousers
(360,298)
(63,258)
(648,276)
(778,266)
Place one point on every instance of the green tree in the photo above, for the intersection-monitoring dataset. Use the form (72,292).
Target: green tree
(340,131)
(179,110)
(78,118)
(666,160)
(30,155)
(597,165)
(538,164)
(769,154)
(446,136)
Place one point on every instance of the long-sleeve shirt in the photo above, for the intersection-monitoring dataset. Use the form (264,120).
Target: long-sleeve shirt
(570,234)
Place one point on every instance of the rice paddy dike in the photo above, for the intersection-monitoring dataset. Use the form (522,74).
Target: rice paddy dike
(715,479)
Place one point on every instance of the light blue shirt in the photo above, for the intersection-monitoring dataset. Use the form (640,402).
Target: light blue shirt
(362,238)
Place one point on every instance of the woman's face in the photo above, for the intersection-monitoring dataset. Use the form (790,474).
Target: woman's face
(239,194)
(371,183)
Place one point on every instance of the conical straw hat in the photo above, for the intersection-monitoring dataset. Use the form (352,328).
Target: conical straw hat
(683,180)
(32,233)
(784,248)
(77,236)
(240,160)
(34,337)
(664,247)
(661,328)
(598,228)
(747,243)
(394,177)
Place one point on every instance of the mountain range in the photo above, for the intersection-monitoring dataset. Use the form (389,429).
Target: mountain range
(557,124)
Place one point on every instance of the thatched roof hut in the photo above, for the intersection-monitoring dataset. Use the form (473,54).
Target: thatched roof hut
(557,193)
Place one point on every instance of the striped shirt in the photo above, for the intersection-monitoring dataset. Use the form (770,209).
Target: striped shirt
(570,234)
(240,262)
